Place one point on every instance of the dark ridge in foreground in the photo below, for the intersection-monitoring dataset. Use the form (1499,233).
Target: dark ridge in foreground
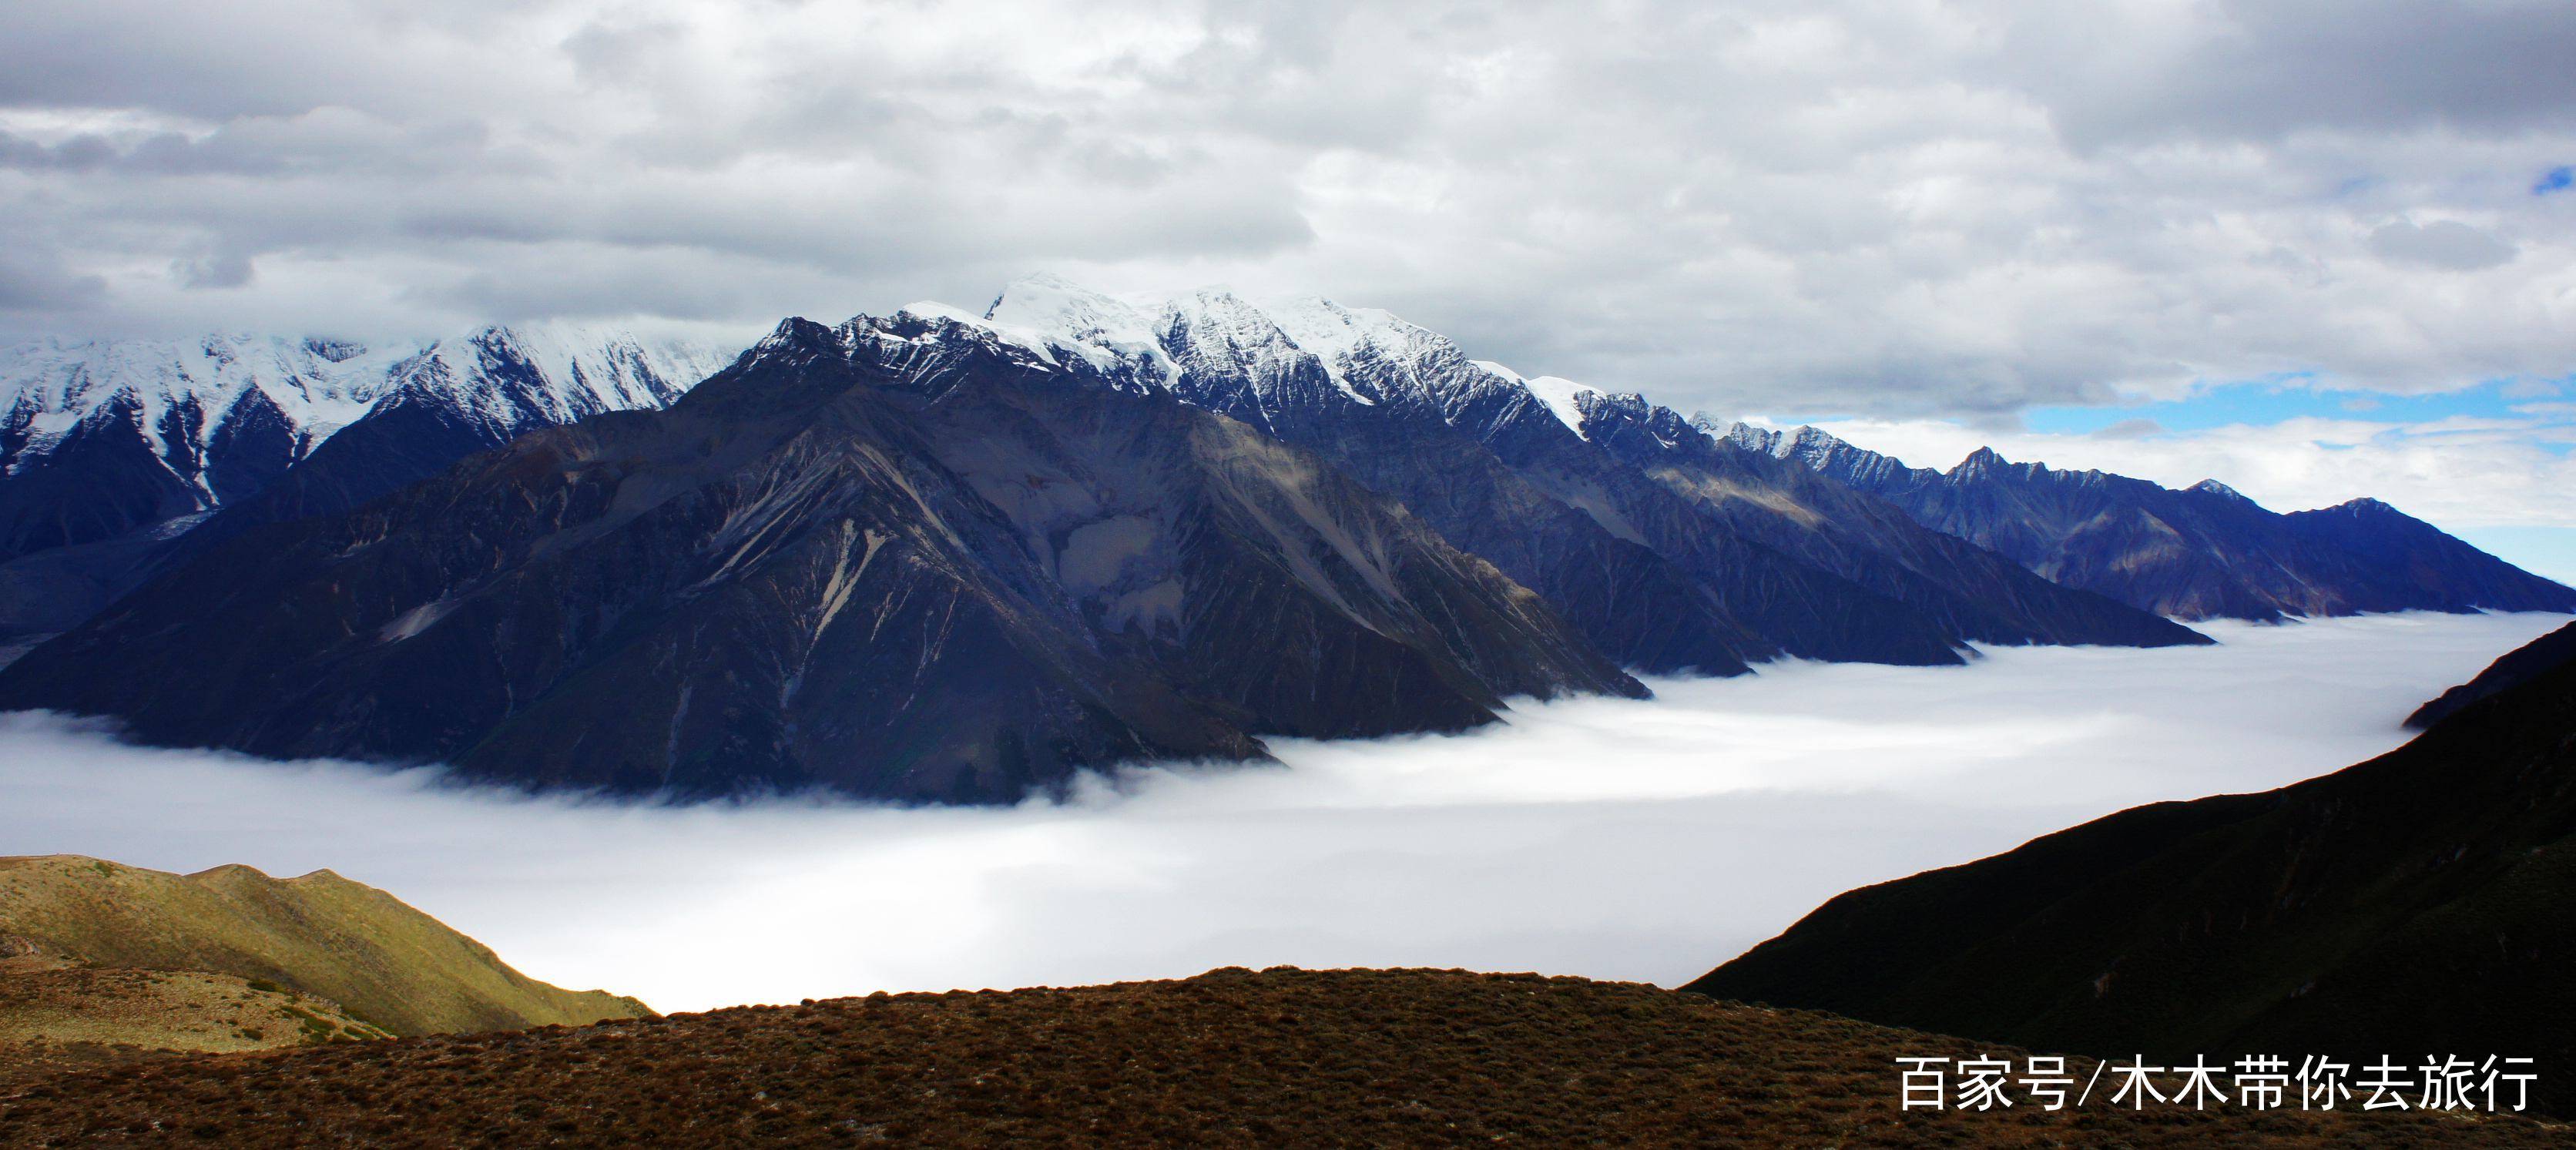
(1231,1058)
(2413,905)
(2518,666)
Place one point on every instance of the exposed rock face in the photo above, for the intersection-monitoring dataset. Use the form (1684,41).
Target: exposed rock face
(2411,905)
(1973,592)
(2202,552)
(901,558)
(1502,466)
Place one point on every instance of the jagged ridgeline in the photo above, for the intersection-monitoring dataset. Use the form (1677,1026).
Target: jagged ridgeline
(2202,552)
(888,558)
(112,452)
(957,556)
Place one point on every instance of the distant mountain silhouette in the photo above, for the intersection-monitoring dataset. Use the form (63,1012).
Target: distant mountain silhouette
(2202,552)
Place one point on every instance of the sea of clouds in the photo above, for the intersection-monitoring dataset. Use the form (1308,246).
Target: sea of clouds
(1610,838)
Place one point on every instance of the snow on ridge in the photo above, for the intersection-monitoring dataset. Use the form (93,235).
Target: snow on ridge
(1034,341)
(182,390)
(1383,347)
(58,383)
(1044,311)
(1561,396)
(1258,329)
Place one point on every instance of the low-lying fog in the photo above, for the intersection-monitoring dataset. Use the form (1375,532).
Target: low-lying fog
(1616,839)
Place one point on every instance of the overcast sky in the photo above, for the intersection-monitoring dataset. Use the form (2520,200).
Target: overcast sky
(1904,210)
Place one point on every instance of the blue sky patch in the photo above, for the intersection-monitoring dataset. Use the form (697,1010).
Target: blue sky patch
(2295,396)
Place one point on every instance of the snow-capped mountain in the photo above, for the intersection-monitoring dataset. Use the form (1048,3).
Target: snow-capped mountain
(108,449)
(955,554)
(175,428)
(2200,552)
(899,558)
(1662,579)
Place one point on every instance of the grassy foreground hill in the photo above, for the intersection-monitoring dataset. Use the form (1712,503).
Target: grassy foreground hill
(379,965)
(1231,1058)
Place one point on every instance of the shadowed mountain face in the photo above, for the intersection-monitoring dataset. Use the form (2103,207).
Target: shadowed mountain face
(1660,579)
(2198,553)
(1973,592)
(900,558)
(2412,905)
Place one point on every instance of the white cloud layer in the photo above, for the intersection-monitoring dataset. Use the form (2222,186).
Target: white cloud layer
(1617,839)
(1890,207)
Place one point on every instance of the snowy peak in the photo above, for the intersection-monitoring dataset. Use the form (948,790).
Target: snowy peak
(1234,357)
(1061,310)
(1252,358)
(1113,340)
(143,431)
(2223,491)
(1564,397)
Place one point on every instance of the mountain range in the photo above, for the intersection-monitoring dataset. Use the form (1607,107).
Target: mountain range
(946,555)
(110,450)
(2412,905)
(1661,579)
(2202,552)
(896,558)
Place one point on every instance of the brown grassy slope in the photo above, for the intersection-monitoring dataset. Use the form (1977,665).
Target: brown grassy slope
(54,1016)
(1231,1058)
(320,934)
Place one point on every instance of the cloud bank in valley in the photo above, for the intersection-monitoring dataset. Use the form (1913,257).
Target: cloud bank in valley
(1617,839)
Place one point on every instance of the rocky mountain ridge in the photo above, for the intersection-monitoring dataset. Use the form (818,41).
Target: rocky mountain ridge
(2202,552)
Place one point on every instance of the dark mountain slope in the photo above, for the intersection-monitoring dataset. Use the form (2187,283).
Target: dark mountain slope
(2198,553)
(2521,665)
(102,478)
(1650,575)
(2412,905)
(1641,606)
(1972,591)
(897,559)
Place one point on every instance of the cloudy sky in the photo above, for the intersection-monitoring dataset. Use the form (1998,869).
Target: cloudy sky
(2227,230)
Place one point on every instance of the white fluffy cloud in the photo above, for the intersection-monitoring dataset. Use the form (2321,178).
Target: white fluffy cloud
(1612,838)
(1889,207)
